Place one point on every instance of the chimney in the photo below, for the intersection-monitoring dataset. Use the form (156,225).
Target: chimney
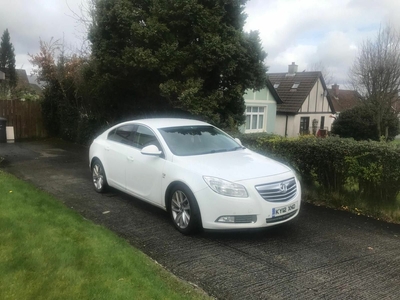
(335,90)
(292,69)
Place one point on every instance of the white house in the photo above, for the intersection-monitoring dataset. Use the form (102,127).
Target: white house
(306,107)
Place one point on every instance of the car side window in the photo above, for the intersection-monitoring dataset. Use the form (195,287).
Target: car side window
(124,134)
(145,137)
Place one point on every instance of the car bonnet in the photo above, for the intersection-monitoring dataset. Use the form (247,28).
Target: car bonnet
(234,166)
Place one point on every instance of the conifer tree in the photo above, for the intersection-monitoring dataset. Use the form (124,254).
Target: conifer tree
(189,55)
(7,59)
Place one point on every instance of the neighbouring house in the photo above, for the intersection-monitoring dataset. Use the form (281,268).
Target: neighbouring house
(27,90)
(22,78)
(306,106)
(24,90)
(343,100)
(261,110)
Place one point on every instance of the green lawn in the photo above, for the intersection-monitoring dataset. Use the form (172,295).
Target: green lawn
(50,252)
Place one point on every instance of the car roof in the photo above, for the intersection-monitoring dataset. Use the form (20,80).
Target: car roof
(167,122)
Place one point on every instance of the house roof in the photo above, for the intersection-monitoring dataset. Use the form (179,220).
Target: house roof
(22,77)
(274,93)
(343,99)
(36,88)
(293,96)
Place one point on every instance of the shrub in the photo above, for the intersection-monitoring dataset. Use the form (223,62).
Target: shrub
(333,163)
(359,123)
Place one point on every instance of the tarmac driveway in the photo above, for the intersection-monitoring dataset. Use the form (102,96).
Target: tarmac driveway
(324,254)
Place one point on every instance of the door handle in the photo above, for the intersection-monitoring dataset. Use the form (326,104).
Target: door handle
(130,158)
(107,148)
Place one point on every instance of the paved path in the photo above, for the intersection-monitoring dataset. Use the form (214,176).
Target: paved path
(324,254)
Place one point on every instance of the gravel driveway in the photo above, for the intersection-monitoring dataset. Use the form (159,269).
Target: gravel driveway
(323,254)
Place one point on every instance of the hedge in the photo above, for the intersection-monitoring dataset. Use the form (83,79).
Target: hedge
(337,165)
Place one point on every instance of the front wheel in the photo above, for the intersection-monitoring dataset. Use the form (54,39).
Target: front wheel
(184,210)
(99,177)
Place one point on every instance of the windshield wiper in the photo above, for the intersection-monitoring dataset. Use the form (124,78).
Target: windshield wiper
(226,150)
(219,150)
(237,148)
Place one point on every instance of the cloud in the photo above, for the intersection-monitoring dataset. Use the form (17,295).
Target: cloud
(306,31)
(29,21)
(318,31)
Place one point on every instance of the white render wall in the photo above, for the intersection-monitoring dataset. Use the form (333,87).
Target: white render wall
(293,123)
(281,124)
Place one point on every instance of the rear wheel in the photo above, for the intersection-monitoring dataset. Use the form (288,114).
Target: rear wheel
(184,210)
(99,177)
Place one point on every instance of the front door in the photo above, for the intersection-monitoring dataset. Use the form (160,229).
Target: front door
(144,174)
(304,125)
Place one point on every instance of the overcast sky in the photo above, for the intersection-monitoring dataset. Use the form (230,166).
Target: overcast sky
(306,32)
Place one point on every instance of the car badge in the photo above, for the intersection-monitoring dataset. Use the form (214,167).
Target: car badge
(283,188)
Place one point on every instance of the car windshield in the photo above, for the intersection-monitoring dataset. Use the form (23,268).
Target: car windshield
(196,140)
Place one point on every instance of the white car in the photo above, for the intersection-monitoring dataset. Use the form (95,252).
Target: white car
(203,177)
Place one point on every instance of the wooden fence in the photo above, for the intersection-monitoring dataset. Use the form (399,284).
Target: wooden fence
(24,116)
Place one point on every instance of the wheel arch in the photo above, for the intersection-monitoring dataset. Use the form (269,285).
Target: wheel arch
(94,158)
(169,189)
(104,186)
(197,219)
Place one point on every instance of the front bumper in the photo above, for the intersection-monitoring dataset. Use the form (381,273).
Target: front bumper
(222,212)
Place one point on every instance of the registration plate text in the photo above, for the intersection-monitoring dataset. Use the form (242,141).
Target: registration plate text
(283,210)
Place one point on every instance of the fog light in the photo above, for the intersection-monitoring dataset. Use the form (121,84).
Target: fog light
(238,219)
(226,219)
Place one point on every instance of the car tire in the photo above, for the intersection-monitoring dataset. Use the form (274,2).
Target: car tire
(99,178)
(184,210)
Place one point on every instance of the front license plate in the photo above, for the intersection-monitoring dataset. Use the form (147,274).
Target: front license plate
(283,210)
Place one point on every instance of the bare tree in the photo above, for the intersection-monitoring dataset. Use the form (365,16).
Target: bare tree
(84,20)
(326,72)
(375,74)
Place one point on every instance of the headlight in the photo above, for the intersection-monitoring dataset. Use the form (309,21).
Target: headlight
(225,187)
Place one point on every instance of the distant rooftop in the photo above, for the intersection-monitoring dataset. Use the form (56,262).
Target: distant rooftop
(343,99)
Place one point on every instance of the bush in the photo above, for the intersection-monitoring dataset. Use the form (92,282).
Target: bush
(336,165)
(359,123)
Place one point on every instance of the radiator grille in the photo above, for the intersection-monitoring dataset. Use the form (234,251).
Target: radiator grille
(278,191)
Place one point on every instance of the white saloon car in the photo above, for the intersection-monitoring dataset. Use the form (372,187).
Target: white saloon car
(203,177)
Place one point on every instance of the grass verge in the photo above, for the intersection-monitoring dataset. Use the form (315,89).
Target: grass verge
(50,252)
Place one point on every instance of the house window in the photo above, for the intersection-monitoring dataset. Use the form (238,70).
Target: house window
(255,118)
(322,122)
(276,85)
(295,85)
(304,125)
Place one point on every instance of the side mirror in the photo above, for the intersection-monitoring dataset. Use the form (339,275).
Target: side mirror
(238,141)
(151,150)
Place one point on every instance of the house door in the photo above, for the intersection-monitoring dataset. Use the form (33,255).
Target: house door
(304,125)
(322,123)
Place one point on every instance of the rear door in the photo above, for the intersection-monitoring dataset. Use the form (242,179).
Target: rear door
(118,154)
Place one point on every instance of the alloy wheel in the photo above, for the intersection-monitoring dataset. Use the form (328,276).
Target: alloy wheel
(98,177)
(180,208)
